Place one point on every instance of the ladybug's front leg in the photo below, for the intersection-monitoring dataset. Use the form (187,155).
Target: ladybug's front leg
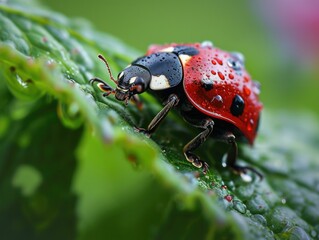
(208,125)
(169,104)
(232,156)
(135,99)
(103,86)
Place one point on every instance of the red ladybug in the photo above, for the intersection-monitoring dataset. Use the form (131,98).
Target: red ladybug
(210,88)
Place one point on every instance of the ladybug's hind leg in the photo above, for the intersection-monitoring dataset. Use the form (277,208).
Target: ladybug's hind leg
(232,156)
(207,125)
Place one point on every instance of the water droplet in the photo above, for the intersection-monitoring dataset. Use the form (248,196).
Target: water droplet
(239,56)
(234,64)
(217,101)
(228,198)
(220,62)
(239,206)
(250,125)
(283,201)
(231,76)
(22,83)
(313,233)
(297,232)
(246,91)
(207,44)
(256,88)
(221,76)
(246,177)
(260,219)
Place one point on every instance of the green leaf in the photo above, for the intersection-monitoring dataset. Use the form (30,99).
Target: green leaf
(71,165)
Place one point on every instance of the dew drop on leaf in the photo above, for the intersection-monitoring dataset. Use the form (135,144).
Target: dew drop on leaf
(239,206)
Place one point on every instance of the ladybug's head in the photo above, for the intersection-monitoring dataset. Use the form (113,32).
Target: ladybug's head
(132,80)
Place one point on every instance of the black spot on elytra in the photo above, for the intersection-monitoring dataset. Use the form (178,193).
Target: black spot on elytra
(237,106)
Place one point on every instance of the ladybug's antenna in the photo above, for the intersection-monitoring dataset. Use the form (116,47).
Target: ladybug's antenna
(108,68)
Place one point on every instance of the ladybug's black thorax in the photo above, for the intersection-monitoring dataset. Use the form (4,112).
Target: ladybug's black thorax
(165,68)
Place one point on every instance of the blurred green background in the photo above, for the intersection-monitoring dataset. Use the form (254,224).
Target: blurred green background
(289,80)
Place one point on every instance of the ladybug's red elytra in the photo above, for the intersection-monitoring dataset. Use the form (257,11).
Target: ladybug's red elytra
(210,88)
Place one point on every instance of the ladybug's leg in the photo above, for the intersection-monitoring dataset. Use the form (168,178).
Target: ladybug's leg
(207,125)
(103,86)
(169,104)
(232,156)
(139,104)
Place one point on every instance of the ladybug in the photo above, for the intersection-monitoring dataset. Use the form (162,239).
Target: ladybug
(210,88)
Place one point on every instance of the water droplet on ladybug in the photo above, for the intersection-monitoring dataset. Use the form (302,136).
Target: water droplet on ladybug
(217,101)
(208,44)
(221,76)
(246,91)
(250,125)
(220,62)
(239,56)
(256,88)
(234,64)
